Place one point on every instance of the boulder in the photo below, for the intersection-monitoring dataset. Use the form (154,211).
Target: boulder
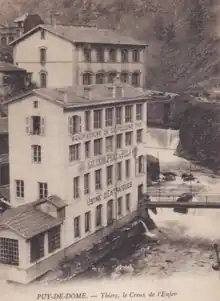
(153,168)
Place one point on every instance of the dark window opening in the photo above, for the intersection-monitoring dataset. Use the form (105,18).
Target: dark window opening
(87,79)
(9,251)
(37,247)
(110,212)
(43,190)
(135,79)
(36,125)
(124,55)
(100,55)
(136,56)
(140,191)
(87,221)
(124,77)
(42,35)
(87,54)
(43,80)
(98,216)
(35,104)
(42,55)
(53,239)
(112,55)
(77,226)
(100,78)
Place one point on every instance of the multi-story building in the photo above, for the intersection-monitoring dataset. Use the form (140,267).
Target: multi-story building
(62,56)
(77,170)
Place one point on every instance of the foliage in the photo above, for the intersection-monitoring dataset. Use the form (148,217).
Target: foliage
(200,134)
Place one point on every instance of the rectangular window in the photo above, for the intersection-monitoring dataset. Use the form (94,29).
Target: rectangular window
(109,172)
(98,216)
(118,115)
(127,168)
(128,114)
(128,138)
(37,247)
(86,183)
(87,221)
(87,149)
(36,153)
(97,119)
(119,139)
(128,202)
(9,251)
(53,239)
(119,206)
(35,125)
(100,57)
(87,120)
(124,56)
(87,54)
(76,189)
(141,164)
(109,117)
(136,56)
(139,136)
(140,191)
(119,171)
(139,111)
(97,147)
(74,125)
(74,152)
(43,190)
(42,34)
(19,188)
(98,179)
(43,79)
(109,144)
(43,57)
(77,226)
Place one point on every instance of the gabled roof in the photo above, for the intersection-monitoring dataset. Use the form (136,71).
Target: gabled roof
(88,35)
(75,97)
(53,200)
(27,221)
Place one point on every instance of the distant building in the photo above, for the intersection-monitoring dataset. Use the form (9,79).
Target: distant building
(91,56)
(77,171)
(9,33)
(13,80)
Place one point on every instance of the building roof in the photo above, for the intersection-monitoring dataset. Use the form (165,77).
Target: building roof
(27,221)
(88,35)
(79,96)
(7,67)
(3,125)
(53,200)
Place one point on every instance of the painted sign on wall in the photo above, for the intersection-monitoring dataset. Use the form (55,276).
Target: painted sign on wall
(109,193)
(106,132)
(110,158)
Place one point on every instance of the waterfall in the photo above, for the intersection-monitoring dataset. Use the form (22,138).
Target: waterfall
(147,232)
(162,138)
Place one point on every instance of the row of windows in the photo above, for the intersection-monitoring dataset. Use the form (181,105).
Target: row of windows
(122,207)
(111,172)
(76,151)
(100,55)
(88,78)
(35,125)
(20,189)
(112,55)
(106,118)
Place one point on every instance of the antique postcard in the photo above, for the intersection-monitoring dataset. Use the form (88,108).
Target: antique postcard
(110,150)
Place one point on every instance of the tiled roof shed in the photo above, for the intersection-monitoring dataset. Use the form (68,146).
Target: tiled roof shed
(27,221)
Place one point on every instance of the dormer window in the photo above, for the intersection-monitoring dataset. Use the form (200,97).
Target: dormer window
(42,34)
(74,125)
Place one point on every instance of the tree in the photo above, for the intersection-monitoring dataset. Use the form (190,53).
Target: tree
(159,27)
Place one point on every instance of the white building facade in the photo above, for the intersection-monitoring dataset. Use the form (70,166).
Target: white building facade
(89,152)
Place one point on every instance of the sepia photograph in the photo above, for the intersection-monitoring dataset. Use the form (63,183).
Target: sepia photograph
(110,150)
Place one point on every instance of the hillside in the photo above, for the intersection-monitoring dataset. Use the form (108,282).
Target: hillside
(182,34)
